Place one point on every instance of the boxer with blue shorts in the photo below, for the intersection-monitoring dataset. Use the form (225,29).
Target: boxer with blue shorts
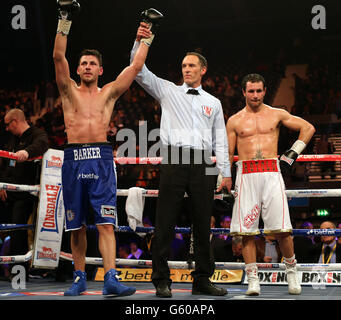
(88,173)
(88,177)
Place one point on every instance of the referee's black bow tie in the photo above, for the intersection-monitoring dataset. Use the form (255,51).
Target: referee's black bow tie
(193,91)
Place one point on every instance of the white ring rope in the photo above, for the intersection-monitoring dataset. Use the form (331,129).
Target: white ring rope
(34,189)
(298,193)
(180,264)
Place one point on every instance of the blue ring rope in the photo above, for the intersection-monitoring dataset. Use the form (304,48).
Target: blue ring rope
(185,230)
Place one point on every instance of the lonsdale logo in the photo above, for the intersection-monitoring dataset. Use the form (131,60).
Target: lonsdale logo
(50,219)
(54,162)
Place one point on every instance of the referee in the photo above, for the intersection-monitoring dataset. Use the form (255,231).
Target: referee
(192,129)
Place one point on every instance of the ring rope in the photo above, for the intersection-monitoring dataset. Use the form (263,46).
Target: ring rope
(298,193)
(186,230)
(34,189)
(10,155)
(157,160)
(4,227)
(179,264)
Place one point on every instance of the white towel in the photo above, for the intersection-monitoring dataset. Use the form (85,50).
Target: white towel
(134,207)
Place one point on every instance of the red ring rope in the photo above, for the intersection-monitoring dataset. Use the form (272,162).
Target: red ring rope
(157,160)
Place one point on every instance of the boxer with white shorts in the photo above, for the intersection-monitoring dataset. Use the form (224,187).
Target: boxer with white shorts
(260,193)
(259,187)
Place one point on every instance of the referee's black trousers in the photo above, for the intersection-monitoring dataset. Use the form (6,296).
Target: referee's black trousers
(175,180)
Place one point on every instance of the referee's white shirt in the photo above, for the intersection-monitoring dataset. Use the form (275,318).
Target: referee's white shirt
(189,121)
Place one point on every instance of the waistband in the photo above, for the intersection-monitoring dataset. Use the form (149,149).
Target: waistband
(88,151)
(253,166)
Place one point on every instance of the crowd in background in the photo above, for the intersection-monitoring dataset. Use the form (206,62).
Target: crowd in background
(319,93)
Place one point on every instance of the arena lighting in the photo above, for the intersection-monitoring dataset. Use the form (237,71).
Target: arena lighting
(322,213)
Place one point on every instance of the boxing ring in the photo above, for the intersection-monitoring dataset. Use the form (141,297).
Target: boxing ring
(323,280)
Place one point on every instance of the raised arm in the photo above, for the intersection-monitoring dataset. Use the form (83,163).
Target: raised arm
(60,63)
(66,9)
(128,75)
(145,34)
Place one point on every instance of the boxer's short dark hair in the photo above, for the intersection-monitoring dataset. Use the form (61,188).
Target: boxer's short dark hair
(91,52)
(252,77)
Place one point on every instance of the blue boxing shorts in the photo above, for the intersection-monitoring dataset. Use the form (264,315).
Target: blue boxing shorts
(88,177)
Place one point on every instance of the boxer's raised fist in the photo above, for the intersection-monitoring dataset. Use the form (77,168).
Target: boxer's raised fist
(152,17)
(67,8)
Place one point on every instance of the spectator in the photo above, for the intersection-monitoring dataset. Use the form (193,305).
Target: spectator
(136,252)
(36,101)
(41,94)
(141,179)
(26,142)
(328,250)
(268,249)
(49,95)
(225,223)
(304,244)
(178,250)
(237,247)
(221,249)
(124,252)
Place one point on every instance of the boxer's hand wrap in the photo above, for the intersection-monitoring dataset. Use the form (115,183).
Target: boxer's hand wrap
(148,41)
(288,158)
(66,8)
(153,18)
(64,27)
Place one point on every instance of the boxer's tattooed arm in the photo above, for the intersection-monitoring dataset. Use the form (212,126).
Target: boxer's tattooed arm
(258,155)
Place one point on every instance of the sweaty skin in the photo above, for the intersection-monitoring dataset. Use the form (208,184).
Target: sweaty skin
(88,108)
(255,129)
(87,111)
(87,114)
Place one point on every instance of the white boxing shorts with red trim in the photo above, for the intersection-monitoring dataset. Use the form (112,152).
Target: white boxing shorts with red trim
(259,192)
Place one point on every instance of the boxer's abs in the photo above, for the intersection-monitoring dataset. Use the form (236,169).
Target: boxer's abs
(82,127)
(257,147)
